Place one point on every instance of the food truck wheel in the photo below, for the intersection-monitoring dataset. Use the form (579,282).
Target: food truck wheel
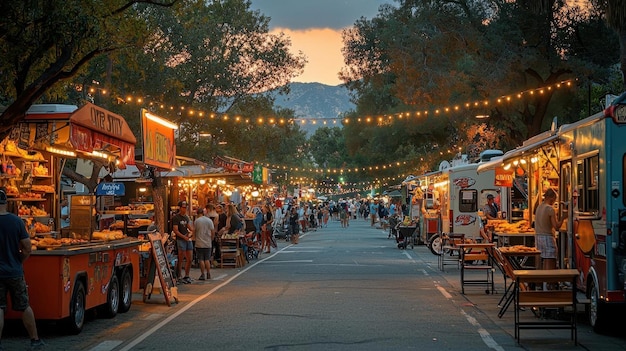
(109,309)
(435,244)
(596,310)
(126,291)
(76,319)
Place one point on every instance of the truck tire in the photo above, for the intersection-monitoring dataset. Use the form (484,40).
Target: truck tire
(109,309)
(126,291)
(435,244)
(76,319)
(596,309)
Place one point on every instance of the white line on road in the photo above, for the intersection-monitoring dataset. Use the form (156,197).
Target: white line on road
(106,345)
(164,322)
(292,261)
(443,292)
(407,255)
(484,334)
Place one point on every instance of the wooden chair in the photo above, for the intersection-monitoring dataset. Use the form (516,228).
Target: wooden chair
(450,251)
(477,257)
(505,267)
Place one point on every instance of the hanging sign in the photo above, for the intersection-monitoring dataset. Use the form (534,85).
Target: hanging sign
(159,144)
(114,189)
(503,177)
(257,174)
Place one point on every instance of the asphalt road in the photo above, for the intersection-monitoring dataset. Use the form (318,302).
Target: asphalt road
(338,289)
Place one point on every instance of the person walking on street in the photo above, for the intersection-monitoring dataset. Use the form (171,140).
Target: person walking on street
(181,225)
(373,212)
(15,248)
(204,231)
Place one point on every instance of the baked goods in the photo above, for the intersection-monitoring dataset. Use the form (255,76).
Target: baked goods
(108,235)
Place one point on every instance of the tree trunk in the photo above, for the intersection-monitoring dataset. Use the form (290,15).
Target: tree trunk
(159,193)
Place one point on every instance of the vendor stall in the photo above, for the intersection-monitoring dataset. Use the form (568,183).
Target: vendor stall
(80,268)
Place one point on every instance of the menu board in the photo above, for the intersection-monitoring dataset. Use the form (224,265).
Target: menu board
(160,265)
(82,208)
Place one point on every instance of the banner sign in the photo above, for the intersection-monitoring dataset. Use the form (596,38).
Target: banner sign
(234,165)
(503,177)
(114,189)
(159,145)
(257,174)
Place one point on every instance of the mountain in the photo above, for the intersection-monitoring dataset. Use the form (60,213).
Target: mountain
(316,100)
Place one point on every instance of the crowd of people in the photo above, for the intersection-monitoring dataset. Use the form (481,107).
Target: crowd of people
(268,216)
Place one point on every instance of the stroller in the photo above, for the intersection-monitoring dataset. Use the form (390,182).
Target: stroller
(252,246)
(281,229)
(394,222)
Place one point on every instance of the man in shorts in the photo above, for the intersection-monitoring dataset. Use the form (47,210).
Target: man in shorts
(204,231)
(181,225)
(546,223)
(14,250)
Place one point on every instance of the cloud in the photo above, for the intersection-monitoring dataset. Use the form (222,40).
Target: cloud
(299,14)
(322,47)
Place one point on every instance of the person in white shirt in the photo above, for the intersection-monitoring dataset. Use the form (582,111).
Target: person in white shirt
(204,231)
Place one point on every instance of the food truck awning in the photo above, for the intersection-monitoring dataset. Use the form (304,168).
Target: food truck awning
(93,128)
(89,129)
(490,165)
(527,149)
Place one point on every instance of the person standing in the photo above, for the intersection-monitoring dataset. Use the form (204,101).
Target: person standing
(65,214)
(15,248)
(546,224)
(266,228)
(294,230)
(204,231)
(491,208)
(373,212)
(181,225)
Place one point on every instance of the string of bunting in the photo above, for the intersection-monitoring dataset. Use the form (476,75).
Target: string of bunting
(380,120)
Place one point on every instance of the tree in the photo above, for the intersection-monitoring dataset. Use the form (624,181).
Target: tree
(615,13)
(424,55)
(47,42)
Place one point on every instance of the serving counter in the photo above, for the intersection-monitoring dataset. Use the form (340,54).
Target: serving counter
(65,281)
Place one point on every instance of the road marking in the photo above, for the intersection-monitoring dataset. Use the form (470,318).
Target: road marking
(173,316)
(106,345)
(219,277)
(484,334)
(292,261)
(443,292)
(300,251)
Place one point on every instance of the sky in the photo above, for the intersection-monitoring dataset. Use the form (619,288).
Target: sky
(314,27)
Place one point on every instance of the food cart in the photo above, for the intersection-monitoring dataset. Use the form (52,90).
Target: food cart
(80,268)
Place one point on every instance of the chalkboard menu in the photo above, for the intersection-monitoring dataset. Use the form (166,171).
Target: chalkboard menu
(160,264)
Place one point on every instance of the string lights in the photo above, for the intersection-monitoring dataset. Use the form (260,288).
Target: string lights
(377,120)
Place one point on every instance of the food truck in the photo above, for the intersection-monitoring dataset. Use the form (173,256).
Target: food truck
(585,163)
(70,270)
(453,198)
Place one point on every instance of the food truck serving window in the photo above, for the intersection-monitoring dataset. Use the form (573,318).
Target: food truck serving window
(469,200)
(588,172)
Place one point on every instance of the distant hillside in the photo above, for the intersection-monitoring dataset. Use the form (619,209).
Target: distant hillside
(316,100)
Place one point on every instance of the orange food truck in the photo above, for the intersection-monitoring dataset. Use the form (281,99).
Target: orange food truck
(74,269)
